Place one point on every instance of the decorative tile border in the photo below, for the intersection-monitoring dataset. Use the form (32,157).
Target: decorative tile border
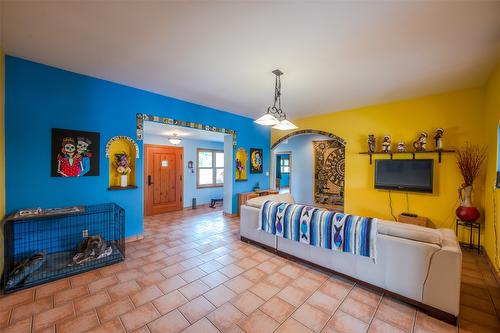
(309,131)
(122,137)
(170,121)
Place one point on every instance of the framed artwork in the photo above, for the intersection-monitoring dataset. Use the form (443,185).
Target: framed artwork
(255,160)
(241,164)
(329,173)
(74,153)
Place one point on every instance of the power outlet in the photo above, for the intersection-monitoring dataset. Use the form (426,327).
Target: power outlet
(85,233)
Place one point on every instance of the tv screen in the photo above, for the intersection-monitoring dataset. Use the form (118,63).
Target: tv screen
(404,175)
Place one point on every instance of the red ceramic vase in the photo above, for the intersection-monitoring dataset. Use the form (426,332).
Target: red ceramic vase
(468,214)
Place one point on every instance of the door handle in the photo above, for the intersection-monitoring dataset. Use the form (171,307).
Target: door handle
(149,181)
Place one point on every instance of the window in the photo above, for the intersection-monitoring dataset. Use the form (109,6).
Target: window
(210,167)
(285,165)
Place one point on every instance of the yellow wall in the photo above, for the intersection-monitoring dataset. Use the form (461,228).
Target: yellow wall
(459,113)
(492,117)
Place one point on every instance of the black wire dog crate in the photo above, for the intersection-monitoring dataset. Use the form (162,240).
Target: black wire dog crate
(46,245)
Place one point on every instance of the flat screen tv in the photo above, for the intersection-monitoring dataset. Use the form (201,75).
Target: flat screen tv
(404,175)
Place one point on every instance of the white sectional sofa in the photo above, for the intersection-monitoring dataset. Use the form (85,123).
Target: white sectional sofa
(419,265)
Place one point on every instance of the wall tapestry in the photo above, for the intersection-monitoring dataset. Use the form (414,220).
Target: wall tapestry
(255,160)
(241,164)
(329,173)
(74,153)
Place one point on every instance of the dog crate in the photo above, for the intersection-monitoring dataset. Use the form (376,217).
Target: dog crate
(46,245)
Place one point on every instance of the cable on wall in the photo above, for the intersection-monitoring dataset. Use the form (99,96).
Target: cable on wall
(390,206)
(407,203)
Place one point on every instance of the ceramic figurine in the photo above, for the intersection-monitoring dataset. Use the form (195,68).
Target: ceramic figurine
(438,139)
(386,144)
(421,143)
(371,143)
(401,147)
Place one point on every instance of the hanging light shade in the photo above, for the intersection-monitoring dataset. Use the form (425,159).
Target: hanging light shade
(175,140)
(274,115)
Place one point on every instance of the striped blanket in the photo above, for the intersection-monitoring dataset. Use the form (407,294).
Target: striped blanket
(319,227)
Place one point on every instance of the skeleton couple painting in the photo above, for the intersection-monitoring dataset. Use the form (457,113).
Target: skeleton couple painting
(74,153)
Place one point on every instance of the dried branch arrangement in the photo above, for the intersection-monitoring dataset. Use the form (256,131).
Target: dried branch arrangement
(470,157)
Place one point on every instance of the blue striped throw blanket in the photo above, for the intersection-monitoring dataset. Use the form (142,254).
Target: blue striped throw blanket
(320,227)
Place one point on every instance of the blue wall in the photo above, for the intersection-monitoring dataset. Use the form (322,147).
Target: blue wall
(39,97)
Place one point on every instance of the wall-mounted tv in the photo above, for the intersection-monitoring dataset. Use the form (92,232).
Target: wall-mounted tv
(404,175)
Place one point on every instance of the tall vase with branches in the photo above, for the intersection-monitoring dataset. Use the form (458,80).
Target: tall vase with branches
(470,158)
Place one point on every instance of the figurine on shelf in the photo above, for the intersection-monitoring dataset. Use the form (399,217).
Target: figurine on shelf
(401,147)
(438,139)
(371,143)
(386,144)
(421,143)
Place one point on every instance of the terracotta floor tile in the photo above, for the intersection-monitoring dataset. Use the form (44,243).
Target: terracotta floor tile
(214,279)
(70,294)
(366,296)
(49,317)
(277,309)
(306,283)
(258,322)
(113,326)
(294,296)
(239,284)
(123,289)
(344,323)
(80,324)
(194,289)
(264,290)
(4,317)
(22,326)
(291,271)
(85,278)
(169,302)
(52,288)
(150,278)
(113,269)
(311,317)
(115,309)
(29,309)
(379,326)
(139,317)
(201,326)
(247,263)
(172,322)
(231,270)
(426,324)
(90,302)
(279,280)
(267,267)
(225,317)
(147,294)
(192,274)
(171,283)
(357,309)
(292,326)
(261,256)
(211,266)
(102,283)
(172,270)
(324,302)
(396,314)
(255,275)
(247,302)
(335,289)
(196,309)
(226,259)
(219,295)
(128,275)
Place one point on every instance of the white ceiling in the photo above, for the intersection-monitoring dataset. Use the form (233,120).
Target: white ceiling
(165,130)
(335,55)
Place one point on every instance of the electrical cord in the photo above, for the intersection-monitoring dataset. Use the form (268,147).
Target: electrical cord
(390,206)
(407,203)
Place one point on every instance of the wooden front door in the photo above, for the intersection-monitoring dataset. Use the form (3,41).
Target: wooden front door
(163,173)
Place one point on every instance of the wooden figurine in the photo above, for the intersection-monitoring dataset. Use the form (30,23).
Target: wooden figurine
(371,143)
(386,144)
(401,147)
(421,143)
(438,139)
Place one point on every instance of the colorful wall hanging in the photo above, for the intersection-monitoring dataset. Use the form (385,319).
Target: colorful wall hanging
(329,173)
(74,153)
(241,159)
(170,121)
(256,158)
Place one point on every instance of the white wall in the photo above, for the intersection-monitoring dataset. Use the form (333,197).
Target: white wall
(302,175)
(202,195)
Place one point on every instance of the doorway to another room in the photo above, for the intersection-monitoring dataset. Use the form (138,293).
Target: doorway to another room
(283,172)
(184,168)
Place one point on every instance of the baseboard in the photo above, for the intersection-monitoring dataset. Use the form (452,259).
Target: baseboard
(230,215)
(134,238)
(496,273)
(431,311)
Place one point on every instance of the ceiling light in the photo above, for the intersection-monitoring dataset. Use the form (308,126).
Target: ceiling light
(275,116)
(175,140)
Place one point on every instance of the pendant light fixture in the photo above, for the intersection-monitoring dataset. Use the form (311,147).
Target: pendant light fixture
(275,116)
(175,140)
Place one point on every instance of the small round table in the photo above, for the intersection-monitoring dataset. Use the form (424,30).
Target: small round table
(471,226)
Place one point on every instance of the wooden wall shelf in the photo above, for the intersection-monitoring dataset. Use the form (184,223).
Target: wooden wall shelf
(119,188)
(413,153)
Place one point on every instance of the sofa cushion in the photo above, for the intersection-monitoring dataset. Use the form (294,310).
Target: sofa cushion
(286,198)
(410,231)
(259,201)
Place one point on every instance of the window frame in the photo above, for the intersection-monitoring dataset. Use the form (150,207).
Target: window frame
(214,168)
(282,165)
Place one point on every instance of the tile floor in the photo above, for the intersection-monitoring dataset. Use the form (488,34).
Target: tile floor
(191,273)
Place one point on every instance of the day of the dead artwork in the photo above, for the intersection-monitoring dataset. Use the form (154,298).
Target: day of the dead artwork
(255,160)
(74,153)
